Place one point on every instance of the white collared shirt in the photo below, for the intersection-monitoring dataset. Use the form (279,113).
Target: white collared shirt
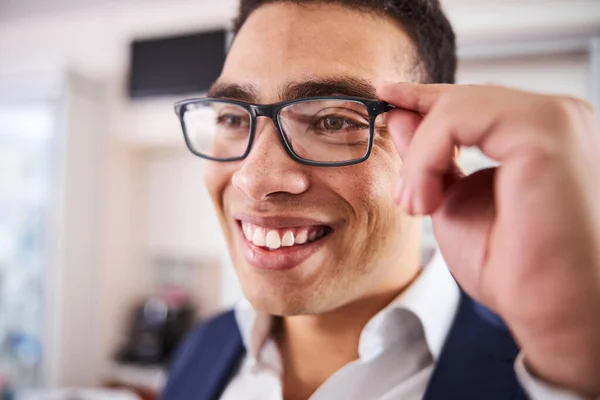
(412,328)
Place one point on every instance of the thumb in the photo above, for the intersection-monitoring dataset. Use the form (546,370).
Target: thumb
(411,96)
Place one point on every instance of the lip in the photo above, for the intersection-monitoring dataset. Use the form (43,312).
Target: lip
(279,222)
(284,258)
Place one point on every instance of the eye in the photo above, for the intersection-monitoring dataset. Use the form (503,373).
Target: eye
(232,121)
(333,123)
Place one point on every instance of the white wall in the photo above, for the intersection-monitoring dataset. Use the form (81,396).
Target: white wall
(567,74)
(485,21)
(95,40)
(179,212)
(553,73)
(181,223)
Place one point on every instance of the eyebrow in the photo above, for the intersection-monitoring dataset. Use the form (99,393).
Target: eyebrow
(337,86)
(223,90)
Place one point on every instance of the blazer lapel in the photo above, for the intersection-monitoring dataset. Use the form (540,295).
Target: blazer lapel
(219,369)
(206,361)
(477,359)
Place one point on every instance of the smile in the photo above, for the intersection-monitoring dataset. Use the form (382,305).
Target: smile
(280,243)
(274,239)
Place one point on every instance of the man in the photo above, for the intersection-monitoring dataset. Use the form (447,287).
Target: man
(318,199)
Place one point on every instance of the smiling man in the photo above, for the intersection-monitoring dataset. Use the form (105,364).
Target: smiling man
(318,171)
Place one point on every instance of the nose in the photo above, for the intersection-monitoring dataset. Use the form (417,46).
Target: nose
(268,169)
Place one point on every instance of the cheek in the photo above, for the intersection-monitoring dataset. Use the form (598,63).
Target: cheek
(372,182)
(378,218)
(217,177)
(368,189)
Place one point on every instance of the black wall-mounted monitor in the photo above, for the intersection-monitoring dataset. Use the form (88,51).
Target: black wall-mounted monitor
(176,65)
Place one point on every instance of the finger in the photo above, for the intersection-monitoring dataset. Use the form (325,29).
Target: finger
(466,216)
(411,96)
(464,116)
(446,181)
(456,120)
(423,181)
(401,126)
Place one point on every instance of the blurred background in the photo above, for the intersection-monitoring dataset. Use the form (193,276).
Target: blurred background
(109,247)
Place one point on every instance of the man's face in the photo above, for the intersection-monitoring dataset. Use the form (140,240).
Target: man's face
(356,242)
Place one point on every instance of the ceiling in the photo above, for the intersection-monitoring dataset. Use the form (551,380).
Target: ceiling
(25,8)
(10,9)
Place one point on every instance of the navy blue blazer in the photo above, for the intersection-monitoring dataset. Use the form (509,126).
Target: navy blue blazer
(476,362)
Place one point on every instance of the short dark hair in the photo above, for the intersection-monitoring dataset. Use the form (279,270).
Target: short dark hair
(423,20)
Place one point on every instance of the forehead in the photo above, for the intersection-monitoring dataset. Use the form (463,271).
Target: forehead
(284,43)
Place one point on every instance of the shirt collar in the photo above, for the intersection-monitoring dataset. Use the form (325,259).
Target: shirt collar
(432,298)
(254,326)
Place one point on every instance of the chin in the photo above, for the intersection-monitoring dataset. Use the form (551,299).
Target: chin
(284,307)
(282,298)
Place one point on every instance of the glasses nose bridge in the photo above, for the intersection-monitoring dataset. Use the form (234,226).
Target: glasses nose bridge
(268,111)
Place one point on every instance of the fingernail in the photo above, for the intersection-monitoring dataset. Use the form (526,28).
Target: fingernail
(402,195)
(398,191)
(406,202)
(418,206)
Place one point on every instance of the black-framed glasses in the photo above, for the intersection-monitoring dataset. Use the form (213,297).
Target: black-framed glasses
(319,131)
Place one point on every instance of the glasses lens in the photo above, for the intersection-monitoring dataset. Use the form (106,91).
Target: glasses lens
(217,129)
(326,130)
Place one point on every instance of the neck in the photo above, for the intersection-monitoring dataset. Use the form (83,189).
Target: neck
(313,347)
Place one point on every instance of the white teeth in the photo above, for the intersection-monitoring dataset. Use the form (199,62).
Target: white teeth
(258,238)
(302,237)
(273,241)
(247,231)
(288,239)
